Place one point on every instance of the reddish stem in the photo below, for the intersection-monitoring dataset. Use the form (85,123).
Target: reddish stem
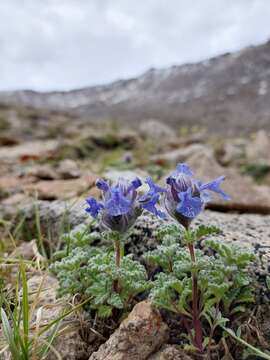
(195,304)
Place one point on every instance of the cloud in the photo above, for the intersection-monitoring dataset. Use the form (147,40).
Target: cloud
(64,44)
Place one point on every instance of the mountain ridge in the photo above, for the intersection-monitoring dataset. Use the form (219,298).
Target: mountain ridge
(230,91)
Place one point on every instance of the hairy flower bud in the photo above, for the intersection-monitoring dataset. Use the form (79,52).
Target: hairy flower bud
(185,197)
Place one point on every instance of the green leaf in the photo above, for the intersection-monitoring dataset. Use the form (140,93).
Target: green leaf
(25,306)
(104,311)
(115,301)
(9,335)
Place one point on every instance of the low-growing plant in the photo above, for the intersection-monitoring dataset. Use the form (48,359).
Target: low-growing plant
(111,279)
(205,282)
(198,286)
(223,284)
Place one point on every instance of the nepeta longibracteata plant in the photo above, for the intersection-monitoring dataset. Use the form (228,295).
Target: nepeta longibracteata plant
(185,198)
(117,212)
(194,284)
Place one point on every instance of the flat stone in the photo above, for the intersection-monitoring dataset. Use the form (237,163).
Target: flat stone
(61,189)
(245,195)
(139,335)
(34,150)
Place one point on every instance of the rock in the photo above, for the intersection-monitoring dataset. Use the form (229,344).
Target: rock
(258,150)
(233,152)
(157,131)
(32,150)
(61,189)
(170,352)
(245,195)
(10,185)
(15,199)
(55,217)
(47,307)
(139,335)
(108,139)
(43,172)
(26,251)
(113,175)
(68,169)
(180,155)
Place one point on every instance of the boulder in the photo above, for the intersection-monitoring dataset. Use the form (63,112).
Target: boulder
(138,336)
(258,149)
(233,152)
(180,155)
(157,132)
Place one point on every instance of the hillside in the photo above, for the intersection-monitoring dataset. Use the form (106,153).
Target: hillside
(227,94)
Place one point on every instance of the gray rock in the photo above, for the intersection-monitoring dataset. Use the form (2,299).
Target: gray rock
(157,131)
(29,150)
(233,152)
(170,352)
(138,336)
(258,150)
(68,169)
(180,155)
(43,172)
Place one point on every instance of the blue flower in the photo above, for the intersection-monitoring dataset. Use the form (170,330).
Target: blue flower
(149,200)
(186,197)
(121,205)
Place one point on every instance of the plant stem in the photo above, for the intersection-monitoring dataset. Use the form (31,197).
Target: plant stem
(195,303)
(117,249)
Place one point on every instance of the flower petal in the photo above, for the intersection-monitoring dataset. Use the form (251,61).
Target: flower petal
(117,204)
(94,207)
(150,206)
(189,206)
(102,185)
(215,187)
(184,168)
(136,183)
(153,190)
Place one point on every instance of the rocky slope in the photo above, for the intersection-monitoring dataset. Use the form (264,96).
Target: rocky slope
(228,94)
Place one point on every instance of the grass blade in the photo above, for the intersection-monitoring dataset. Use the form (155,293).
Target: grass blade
(25,307)
(8,333)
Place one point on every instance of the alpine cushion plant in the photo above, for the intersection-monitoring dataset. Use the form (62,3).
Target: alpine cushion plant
(184,200)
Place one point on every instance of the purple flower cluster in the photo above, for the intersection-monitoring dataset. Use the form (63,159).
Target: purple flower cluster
(184,198)
(121,204)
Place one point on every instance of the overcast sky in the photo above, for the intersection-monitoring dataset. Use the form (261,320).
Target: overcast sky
(65,44)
